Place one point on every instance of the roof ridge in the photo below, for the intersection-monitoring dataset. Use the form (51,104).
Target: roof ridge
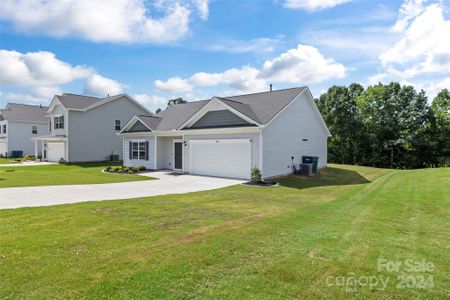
(293,88)
(143,115)
(79,95)
(34,105)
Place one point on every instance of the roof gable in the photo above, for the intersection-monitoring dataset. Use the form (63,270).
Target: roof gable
(219,118)
(138,127)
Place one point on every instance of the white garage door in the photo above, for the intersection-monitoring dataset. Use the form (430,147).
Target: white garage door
(3,148)
(55,151)
(223,158)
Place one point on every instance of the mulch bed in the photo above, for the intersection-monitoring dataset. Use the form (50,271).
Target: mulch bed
(263,184)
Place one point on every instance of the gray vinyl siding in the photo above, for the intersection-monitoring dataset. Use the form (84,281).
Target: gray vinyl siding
(20,134)
(58,111)
(92,135)
(254,137)
(219,118)
(283,138)
(148,164)
(138,127)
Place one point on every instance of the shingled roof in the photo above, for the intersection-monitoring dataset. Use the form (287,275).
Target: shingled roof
(260,107)
(16,112)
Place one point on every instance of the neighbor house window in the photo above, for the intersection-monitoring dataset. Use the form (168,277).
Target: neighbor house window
(59,122)
(117,125)
(139,150)
(34,129)
(4,128)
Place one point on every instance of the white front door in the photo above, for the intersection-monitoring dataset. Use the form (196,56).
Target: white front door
(55,151)
(223,158)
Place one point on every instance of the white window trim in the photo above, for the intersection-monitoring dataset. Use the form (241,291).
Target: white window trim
(115,125)
(138,151)
(62,123)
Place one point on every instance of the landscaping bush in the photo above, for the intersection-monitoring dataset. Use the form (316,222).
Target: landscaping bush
(123,170)
(62,161)
(255,174)
(142,168)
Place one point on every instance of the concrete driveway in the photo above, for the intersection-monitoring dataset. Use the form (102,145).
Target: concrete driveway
(54,195)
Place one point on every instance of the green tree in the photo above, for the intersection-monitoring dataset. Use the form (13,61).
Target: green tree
(175,101)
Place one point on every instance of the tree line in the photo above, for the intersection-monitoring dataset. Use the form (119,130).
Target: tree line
(390,126)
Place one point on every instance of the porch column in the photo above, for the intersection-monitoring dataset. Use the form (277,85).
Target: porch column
(43,149)
(35,148)
(156,152)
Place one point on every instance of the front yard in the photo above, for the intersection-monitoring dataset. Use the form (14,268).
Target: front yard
(291,241)
(83,173)
(4,161)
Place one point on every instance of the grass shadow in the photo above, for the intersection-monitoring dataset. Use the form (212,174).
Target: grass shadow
(96,164)
(326,177)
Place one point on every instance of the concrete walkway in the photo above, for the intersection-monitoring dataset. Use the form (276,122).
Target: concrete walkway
(28,164)
(54,195)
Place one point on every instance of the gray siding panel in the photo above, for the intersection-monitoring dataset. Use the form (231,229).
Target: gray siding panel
(19,137)
(219,118)
(283,138)
(92,135)
(138,127)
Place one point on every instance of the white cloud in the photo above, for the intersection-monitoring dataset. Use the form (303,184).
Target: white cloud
(202,6)
(258,45)
(150,99)
(301,65)
(408,11)
(40,74)
(173,84)
(100,86)
(312,5)
(423,48)
(103,21)
(37,69)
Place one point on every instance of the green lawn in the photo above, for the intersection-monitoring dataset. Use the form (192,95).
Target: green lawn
(4,161)
(240,242)
(84,173)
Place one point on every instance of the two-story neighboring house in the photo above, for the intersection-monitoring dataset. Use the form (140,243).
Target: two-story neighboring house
(85,128)
(18,124)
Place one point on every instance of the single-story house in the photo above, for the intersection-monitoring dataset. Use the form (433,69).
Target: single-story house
(227,136)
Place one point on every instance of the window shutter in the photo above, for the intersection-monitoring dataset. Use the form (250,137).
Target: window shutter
(130,151)
(146,150)
(62,121)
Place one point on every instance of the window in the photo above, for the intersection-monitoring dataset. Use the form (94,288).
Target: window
(34,129)
(4,128)
(139,150)
(59,122)
(117,125)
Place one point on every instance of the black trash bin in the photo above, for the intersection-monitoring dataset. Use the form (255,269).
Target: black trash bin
(314,160)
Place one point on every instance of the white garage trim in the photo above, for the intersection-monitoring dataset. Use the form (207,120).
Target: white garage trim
(233,160)
(55,151)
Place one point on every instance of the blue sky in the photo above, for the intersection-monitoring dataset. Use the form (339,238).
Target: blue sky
(156,50)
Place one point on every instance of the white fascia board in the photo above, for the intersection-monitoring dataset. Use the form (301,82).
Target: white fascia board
(131,122)
(318,114)
(114,98)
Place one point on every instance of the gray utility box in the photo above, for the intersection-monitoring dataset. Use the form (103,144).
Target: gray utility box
(306,169)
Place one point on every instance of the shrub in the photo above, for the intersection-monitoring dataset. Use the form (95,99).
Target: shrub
(108,169)
(135,170)
(255,174)
(142,168)
(18,159)
(62,161)
(130,172)
(115,169)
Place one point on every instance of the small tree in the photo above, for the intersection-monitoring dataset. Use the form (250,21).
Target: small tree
(158,111)
(255,174)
